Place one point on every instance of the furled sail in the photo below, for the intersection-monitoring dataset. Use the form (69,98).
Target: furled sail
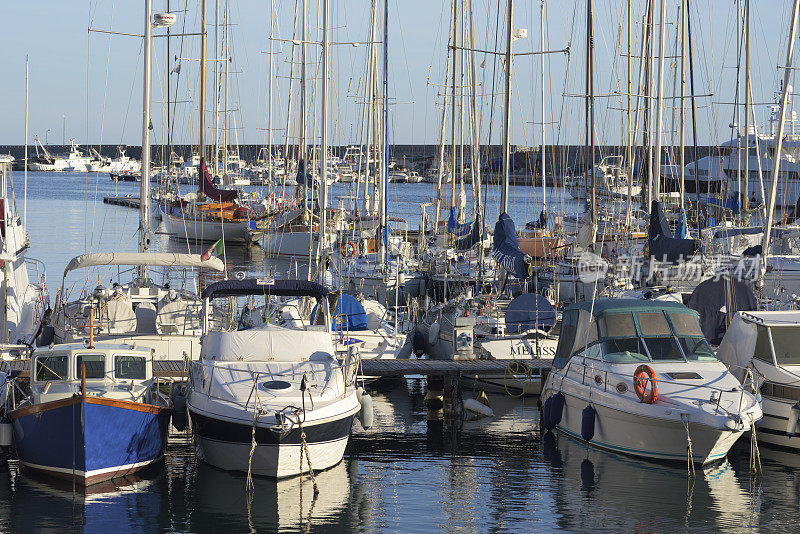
(662,246)
(506,248)
(208,188)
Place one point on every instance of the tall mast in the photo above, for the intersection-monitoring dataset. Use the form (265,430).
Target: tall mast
(746,185)
(541,47)
(507,111)
(25,172)
(694,104)
(590,102)
(269,92)
(683,106)
(168,155)
(144,201)
(202,147)
(656,186)
(629,137)
(453,108)
(324,161)
(779,139)
(385,168)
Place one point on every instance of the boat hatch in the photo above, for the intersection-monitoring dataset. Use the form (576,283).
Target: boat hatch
(275,385)
(684,376)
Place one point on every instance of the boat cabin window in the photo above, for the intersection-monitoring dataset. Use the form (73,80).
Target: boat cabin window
(51,367)
(685,324)
(95,366)
(129,367)
(617,325)
(653,324)
(786,340)
(566,340)
(763,350)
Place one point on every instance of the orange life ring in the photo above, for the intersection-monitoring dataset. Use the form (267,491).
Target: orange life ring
(348,249)
(643,375)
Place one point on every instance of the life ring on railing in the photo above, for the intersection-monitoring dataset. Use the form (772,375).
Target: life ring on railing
(643,375)
(348,249)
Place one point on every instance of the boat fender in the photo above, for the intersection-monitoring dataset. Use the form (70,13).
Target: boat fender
(433,333)
(47,336)
(418,343)
(6,434)
(791,424)
(179,419)
(359,393)
(478,408)
(367,413)
(556,409)
(587,422)
(546,407)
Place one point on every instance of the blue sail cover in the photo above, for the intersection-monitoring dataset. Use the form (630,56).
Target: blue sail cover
(303,178)
(683,226)
(456,228)
(661,245)
(506,248)
(527,311)
(468,241)
(349,314)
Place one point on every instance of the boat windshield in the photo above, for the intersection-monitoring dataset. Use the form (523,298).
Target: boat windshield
(624,350)
(786,339)
(130,367)
(697,349)
(95,365)
(663,348)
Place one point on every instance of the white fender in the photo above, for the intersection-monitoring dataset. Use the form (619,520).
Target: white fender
(477,407)
(433,333)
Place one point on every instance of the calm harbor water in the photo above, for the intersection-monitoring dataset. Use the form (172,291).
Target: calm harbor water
(410,472)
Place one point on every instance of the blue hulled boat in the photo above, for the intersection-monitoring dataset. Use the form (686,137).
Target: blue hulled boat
(93,414)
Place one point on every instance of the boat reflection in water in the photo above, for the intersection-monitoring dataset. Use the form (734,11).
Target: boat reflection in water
(277,505)
(133,503)
(595,491)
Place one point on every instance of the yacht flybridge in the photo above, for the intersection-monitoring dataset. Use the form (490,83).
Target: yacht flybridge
(637,377)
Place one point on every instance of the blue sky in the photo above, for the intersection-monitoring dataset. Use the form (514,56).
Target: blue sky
(95,81)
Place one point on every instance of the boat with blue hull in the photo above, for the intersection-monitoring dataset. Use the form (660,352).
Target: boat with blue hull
(94,413)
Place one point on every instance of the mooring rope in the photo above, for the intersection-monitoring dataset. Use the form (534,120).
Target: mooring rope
(689,452)
(755,455)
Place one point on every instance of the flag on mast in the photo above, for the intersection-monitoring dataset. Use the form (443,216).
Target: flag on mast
(217,249)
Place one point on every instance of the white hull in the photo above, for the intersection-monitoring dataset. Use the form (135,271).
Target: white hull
(293,244)
(277,461)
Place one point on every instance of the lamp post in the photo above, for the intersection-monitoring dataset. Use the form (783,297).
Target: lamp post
(45,137)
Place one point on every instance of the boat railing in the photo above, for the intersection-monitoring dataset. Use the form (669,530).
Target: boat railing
(349,369)
(37,283)
(740,389)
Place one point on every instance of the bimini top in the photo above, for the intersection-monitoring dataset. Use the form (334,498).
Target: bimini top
(154,259)
(265,286)
(603,306)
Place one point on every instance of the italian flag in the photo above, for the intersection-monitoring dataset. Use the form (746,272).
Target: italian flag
(216,250)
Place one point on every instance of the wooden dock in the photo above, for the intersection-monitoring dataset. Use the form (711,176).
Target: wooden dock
(177,368)
(127,201)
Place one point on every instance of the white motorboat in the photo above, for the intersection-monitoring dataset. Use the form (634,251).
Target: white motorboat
(260,397)
(74,160)
(638,378)
(760,345)
(611,182)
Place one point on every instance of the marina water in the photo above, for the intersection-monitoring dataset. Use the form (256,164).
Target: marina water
(410,472)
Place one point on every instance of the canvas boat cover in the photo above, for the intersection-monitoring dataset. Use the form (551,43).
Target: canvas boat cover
(716,301)
(528,311)
(469,240)
(265,286)
(738,346)
(153,259)
(456,228)
(268,343)
(208,188)
(506,248)
(662,245)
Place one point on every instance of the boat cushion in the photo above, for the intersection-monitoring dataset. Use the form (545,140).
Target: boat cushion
(119,315)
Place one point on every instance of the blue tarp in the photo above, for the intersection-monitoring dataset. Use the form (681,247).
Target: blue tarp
(527,311)
(303,178)
(263,286)
(456,228)
(349,314)
(468,241)
(683,226)
(506,248)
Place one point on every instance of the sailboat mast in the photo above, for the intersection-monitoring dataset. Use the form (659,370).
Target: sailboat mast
(144,201)
(746,184)
(541,47)
(25,171)
(324,160)
(779,140)
(507,110)
(590,101)
(269,93)
(385,167)
(453,108)
(202,147)
(683,106)
(656,185)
